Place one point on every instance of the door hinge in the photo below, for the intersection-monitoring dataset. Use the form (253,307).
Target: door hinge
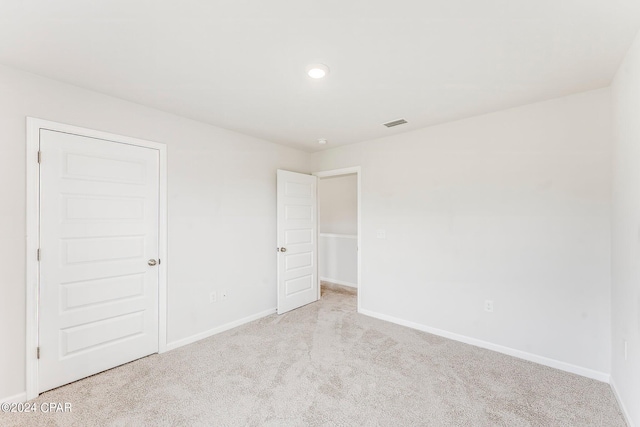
(39,156)
(38,254)
(38,352)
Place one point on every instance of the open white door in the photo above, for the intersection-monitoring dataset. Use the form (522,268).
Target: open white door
(99,255)
(297,240)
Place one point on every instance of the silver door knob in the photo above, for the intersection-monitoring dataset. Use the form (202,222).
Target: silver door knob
(152,262)
(283,249)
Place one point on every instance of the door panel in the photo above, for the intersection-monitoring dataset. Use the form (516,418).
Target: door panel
(297,231)
(99,209)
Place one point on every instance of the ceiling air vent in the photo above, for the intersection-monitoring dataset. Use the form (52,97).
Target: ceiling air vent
(395,123)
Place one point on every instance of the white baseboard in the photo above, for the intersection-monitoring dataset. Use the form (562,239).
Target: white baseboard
(16,398)
(563,366)
(206,334)
(623,408)
(339,282)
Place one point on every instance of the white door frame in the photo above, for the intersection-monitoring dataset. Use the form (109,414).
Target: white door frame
(337,172)
(33,235)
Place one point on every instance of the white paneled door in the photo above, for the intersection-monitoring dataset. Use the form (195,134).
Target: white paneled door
(98,305)
(297,240)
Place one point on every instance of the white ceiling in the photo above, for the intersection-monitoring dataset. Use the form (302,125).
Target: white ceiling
(240,64)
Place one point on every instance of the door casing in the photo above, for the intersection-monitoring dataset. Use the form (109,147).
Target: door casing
(33,235)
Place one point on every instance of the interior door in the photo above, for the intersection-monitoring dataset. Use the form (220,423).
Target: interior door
(98,304)
(297,240)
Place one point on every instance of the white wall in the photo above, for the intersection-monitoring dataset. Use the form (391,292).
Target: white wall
(221,209)
(338,244)
(513,207)
(626,234)
(338,201)
(338,259)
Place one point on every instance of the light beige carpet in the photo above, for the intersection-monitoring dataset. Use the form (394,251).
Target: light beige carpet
(326,365)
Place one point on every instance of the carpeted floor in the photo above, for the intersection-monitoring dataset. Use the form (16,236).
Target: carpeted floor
(326,365)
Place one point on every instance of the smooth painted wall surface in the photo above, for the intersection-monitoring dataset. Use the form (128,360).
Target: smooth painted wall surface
(338,204)
(338,259)
(625,374)
(222,210)
(512,207)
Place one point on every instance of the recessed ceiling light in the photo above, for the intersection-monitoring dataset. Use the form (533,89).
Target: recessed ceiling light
(317,71)
(322,141)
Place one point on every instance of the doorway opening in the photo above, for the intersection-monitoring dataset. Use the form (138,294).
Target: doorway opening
(339,233)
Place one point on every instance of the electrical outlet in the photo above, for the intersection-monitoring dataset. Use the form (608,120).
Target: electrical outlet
(488,306)
(381,234)
(224,295)
(213,297)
